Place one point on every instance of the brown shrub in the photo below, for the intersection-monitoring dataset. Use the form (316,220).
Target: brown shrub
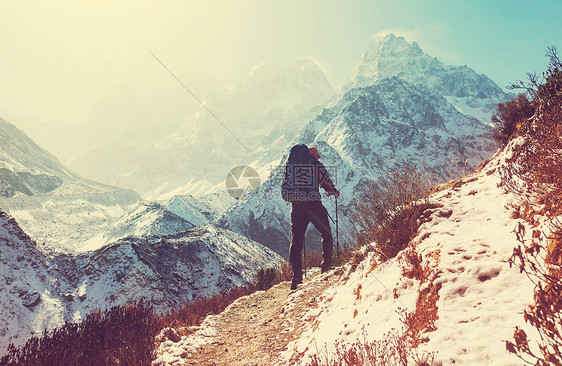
(389,211)
(534,169)
(314,259)
(267,278)
(413,265)
(510,116)
(391,350)
(195,311)
(554,250)
(545,315)
(283,273)
(423,318)
(122,335)
(533,172)
(352,254)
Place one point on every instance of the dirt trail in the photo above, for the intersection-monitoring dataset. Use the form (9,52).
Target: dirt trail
(253,331)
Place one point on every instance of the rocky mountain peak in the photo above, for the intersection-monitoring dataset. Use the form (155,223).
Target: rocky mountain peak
(390,55)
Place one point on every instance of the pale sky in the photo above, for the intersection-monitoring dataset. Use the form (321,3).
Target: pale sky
(58,56)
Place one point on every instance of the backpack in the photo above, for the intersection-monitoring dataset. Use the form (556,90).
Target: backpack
(299,183)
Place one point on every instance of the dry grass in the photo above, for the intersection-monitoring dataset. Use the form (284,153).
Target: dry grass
(193,312)
(423,318)
(122,335)
(314,258)
(389,211)
(533,172)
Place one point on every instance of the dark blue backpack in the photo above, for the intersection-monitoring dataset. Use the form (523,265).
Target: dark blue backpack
(299,182)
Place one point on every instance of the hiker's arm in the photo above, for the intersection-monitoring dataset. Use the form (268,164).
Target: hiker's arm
(326,182)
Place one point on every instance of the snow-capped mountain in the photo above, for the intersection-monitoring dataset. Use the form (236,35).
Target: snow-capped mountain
(363,135)
(388,55)
(147,219)
(57,207)
(28,292)
(202,210)
(41,292)
(167,269)
(266,109)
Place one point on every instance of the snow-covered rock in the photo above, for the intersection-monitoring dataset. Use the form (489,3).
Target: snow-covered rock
(28,303)
(200,210)
(168,269)
(147,219)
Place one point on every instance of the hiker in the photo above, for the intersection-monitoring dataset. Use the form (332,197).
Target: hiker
(304,174)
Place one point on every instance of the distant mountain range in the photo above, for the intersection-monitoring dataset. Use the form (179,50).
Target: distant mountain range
(56,206)
(150,135)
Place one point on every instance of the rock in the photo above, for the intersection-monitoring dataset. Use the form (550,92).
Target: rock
(173,289)
(172,335)
(68,296)
(18,290)
(119,275)
(31,299)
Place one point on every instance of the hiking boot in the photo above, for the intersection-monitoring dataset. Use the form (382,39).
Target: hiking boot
(294,283)
(325,268)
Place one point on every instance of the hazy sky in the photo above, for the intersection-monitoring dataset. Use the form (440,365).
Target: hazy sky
(57,56)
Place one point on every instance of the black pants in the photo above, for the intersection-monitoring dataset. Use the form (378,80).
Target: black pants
(301,214)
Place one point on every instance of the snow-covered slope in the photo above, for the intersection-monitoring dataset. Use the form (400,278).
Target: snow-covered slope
(57,207)
(147,219)
(28,299)
(469,241)
(200,210)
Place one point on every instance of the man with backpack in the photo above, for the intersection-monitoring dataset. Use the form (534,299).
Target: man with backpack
(304,175)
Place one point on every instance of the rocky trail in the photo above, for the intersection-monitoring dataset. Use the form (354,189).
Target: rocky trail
(252,331)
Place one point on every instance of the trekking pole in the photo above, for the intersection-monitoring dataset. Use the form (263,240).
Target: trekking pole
(337,234)
(304,250)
